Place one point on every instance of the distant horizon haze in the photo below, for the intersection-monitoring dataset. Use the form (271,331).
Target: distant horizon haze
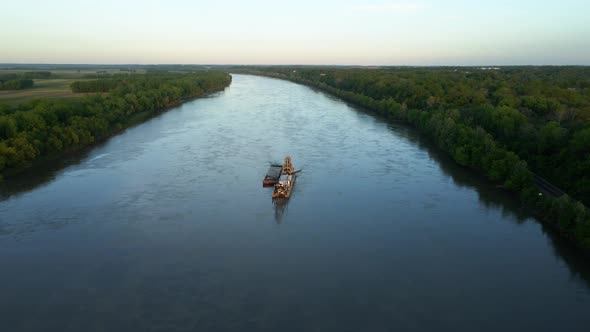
(262,32)
(8,65)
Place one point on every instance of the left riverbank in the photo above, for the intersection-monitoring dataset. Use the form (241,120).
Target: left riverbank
(34,132)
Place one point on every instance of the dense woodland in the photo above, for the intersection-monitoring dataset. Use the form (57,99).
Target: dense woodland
(47,128)
(16,84)
(503,122)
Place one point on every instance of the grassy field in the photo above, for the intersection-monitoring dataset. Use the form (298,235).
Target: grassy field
(43,88)
(58,86)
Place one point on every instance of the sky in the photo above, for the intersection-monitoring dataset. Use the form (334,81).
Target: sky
(344,32)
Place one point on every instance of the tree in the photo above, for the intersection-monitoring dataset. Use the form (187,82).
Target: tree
(7,127)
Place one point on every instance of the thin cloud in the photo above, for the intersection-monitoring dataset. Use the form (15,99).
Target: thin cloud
(392,7)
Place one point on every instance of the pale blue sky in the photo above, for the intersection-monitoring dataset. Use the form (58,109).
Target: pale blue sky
(381,32)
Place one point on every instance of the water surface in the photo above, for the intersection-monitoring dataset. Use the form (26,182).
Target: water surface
(166,227)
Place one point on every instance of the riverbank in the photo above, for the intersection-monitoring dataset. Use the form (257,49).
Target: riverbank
(49,129)
(478,150)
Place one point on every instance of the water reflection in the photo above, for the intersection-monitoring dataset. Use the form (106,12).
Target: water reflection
(41,175)
(576,263)
(491,196)
(280,209)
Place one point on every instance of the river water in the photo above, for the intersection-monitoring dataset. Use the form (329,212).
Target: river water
(166,227)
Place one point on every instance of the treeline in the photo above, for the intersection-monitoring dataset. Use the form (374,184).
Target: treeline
(14,81)
(50,127)
(100,85)
(25,75)
(17,84)
(37,74)
(478,130)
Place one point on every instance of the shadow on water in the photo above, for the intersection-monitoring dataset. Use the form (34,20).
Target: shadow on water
(493,197)
(280,206)
(36,177)
(489,194)
(43,174)
(577,264)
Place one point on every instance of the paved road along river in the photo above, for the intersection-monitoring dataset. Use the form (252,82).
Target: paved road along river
(166,227)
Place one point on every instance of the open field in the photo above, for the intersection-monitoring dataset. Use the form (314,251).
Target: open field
(43,88)
(58,86)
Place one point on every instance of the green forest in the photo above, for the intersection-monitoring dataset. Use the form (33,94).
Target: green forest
(47,128)
(16,84)
(513,124)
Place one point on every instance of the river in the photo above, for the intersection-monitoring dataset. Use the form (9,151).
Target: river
(166,227)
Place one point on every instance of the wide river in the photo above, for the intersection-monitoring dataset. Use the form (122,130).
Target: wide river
(166,227)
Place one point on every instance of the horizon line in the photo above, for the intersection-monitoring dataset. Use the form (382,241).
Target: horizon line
(287,64)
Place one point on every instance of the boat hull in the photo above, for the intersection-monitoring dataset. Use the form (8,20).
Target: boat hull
(268,182)
(272,176)
(284,191)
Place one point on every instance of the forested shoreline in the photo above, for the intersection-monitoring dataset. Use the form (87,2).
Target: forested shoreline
(502,123)
(48,128)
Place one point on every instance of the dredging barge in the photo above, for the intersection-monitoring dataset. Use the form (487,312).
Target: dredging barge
(272,176)
(286,180)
